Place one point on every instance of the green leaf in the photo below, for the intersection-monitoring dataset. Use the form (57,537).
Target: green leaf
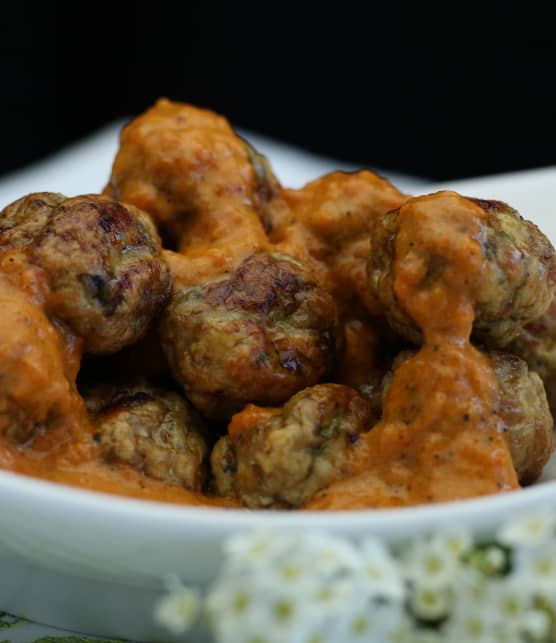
(7,620)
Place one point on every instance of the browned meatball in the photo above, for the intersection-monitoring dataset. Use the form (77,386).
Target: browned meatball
(261,335)
(537,346)
(516,284)
(24,220)
(280,457)
(102,260)
(150,429)
(522,407)
(524,410)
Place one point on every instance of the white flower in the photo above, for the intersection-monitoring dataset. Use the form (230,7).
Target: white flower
(368,623)
(490,559)
(472,586)
(401,632)
(535,624)
(316,588)
(336,596)
(456,541)
(535,569)
(374,624)
(430,563)
(472,618)
(250,550)
(295,574)
(470,627)
(313,559)
(428,636)
(238,613)
(508,600)
(381,572)
(331,555)
(178,610)
(430,603)
(232,599)
(317,635)
(532,528)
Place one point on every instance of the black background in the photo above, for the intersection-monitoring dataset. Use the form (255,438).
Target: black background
(445,94)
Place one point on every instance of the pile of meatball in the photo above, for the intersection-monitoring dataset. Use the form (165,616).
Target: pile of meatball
(236,337)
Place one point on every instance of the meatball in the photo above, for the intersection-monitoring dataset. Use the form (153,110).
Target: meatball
(23,221)
(537,346)
(151,429)
(264,333)
(179,162)
(523,409)
(276,458)
(102,261)
(516,282)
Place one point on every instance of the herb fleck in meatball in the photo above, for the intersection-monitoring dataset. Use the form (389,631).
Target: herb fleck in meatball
(259,336)
(276,458)
(102,261)
(537,346)
(153,430)
(516,283)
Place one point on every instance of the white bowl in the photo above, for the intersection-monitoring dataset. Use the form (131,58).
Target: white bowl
(94,563)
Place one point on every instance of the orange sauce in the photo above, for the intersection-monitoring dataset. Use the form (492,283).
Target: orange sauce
(39,361)
(440,437)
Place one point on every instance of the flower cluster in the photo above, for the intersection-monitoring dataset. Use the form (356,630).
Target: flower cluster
(318,588)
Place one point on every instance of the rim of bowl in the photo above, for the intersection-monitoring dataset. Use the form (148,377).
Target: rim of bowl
(68,499)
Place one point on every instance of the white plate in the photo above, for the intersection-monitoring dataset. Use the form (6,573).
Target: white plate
(94,563)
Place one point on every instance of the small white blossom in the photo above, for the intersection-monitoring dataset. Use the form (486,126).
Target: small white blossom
(495,558)
(472,619)
(232,599)
(508,600)
(535,624)
(428,636)
(237,613)
(365,622)
(331,554)
(380,572)
(296,575)
(178,610)
(535,569)
(370,623)
(430,603)
(261,547)
(402,632)
(472,586)
(470,627)
(533,528)
(336,596)
(456,541)
(490,559)
(430,564)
